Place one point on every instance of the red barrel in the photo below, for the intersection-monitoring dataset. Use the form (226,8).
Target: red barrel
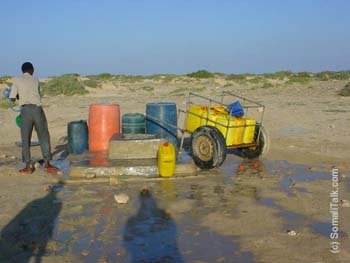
(104,122)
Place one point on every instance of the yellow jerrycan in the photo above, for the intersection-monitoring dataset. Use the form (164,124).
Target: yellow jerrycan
(166,159)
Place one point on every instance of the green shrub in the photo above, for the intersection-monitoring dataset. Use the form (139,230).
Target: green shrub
(129,78)
(148,88)
(236,77)
(104,76)
(66,85)
(301,78)
(184,90)
(4,79)
(323,76)
(256,80)
(280,75)
(198,89)
(201,74)
(332,75)
(341,75)
(345,91)
(4,103)
(92,83)
(266,85)
(70,75)
(163,77)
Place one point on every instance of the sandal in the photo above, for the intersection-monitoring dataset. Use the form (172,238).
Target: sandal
(51,169)
(27,170)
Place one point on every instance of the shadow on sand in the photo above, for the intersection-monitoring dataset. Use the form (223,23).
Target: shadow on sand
(150,235)
(28,233)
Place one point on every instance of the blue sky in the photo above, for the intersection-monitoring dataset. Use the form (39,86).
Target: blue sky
(160,36)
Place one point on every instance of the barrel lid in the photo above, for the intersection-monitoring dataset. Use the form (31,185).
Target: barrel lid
(104,105)
(160,103)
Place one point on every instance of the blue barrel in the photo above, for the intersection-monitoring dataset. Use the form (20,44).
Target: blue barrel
(78,137)
(133,123)
(161,119)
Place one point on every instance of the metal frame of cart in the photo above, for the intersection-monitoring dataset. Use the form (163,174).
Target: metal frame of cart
(207,138)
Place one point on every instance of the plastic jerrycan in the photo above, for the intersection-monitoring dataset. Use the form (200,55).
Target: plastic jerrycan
(166,159)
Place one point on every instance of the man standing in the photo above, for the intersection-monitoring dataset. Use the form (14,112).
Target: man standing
(26,89)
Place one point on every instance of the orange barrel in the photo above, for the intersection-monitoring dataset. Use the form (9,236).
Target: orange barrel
(104,122)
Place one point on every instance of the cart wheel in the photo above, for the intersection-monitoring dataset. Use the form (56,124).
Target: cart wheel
(261,148)
(208,147)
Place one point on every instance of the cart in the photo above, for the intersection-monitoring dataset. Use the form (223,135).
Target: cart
(211,138)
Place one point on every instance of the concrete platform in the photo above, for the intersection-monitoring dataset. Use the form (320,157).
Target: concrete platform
(134,146)
(120,168)
(100,167)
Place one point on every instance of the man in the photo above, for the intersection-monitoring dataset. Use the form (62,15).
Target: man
(26,89)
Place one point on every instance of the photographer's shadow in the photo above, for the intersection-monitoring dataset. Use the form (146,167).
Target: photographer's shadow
(150,235)
(28,233)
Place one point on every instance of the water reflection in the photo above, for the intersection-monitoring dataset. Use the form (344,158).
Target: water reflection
(150,235)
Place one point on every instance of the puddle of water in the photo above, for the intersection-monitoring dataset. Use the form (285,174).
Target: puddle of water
(62,164)
(295,221)
(143,230)
(166,226)
(307,176)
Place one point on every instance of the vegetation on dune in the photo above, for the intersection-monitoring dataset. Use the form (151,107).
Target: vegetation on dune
(184,90)
(345,91)
(299,78)
(4,103)
(67,84)
(256,79)
(92,83)
(266,85)
(201,74)
(332,75)
(71,84)
(4,79)
(279,75)
(236,77)
(148,88)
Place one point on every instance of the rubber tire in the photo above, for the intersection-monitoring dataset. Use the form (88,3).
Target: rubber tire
(262,147)
(218,143)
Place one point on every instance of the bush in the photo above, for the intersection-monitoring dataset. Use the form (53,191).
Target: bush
(104,76)
(332,75)
(280,75)
(66,85)
(92,83)
(4,103)
(236,77)
(345,91)
(201,74)
(184,90)
(301,78)
(256,80)
(4,79)
(266,85)
(148,88)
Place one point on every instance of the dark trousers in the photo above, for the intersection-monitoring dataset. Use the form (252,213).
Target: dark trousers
(33,115)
